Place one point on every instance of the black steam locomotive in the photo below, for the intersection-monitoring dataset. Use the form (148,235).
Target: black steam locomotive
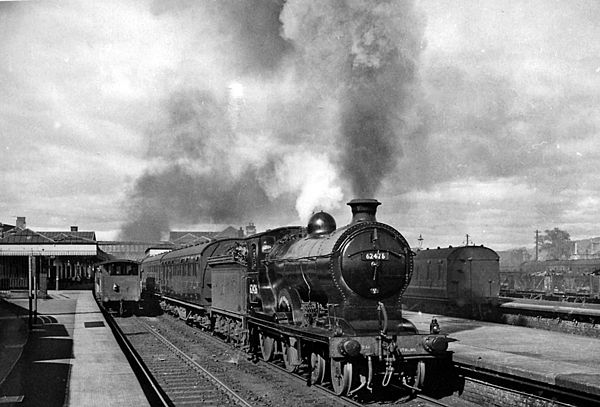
(326,299)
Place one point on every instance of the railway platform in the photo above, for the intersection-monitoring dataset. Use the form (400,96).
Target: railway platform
(69,357)
(553,358)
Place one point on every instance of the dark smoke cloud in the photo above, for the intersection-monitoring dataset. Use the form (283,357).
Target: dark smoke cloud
(368,53)
(177,195)
(333,82)
(191,179)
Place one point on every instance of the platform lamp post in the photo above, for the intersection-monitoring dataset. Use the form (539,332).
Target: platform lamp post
(52,262)
(29,296)
(35,288)
(32,285)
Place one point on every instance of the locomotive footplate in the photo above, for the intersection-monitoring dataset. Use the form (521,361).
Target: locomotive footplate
(310,333)
(406,346)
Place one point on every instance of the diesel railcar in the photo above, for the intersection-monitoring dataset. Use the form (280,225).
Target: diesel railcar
(117,285)
(458,281)
(323,297)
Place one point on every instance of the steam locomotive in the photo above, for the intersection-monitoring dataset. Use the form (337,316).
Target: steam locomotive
(326,300)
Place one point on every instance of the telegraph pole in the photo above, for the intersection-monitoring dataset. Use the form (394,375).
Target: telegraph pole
(537,239)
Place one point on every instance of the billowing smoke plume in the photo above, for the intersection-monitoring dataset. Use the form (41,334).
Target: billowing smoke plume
(194,175)
(369,53)
(281,103)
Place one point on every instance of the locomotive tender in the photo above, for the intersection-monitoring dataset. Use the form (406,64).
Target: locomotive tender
(326,297)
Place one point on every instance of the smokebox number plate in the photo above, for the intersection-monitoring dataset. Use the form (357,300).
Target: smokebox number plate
(370,256)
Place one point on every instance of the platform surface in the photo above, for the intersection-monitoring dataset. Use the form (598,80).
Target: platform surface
(71,357)
(557,359)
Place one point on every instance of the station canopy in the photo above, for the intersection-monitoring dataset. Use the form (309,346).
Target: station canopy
(26,242)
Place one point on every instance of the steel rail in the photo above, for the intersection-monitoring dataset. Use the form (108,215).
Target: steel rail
(298,377)
(431,400)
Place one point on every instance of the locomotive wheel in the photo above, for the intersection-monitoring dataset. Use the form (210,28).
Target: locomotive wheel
(341,376)
(267,347)
(317,368)
(290,358)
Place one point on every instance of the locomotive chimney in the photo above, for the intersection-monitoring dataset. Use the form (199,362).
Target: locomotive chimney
(363,210)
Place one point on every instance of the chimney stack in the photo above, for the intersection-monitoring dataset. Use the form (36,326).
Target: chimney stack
(74,228)
(21,224)
(250,229)
(364,210)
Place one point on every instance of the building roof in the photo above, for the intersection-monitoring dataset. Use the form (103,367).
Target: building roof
(23,242)
(70,236)
(5,228)
(28,236)
(25,236)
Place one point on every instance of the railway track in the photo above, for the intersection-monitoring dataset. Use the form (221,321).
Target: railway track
(169,377)
(182,378)
(252,383)
(174,352)
(189,365)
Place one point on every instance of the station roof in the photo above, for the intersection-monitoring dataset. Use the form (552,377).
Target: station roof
(26,242)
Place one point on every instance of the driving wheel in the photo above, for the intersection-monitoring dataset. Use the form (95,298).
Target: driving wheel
(341,376)
(317,368)
(267,347)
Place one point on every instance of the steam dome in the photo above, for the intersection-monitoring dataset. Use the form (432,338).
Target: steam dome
(320,223)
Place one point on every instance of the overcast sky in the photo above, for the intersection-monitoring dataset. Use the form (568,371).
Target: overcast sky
(132,118)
